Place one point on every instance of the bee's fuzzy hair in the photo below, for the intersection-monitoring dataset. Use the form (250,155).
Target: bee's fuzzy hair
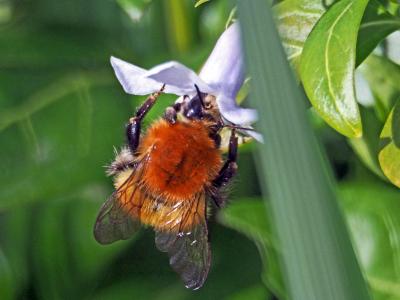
(123,160)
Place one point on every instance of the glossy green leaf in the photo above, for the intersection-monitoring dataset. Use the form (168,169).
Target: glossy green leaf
(372,213)
(295,20)
(377,23)
(327,66)
(248,217)
(383,77)
(389,157)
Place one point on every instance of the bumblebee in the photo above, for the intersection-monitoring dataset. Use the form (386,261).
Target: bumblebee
(164,179)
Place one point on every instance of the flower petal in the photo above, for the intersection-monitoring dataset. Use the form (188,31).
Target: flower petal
(179,77)
(255,135)
(132,78)
(234,113)
(224,68)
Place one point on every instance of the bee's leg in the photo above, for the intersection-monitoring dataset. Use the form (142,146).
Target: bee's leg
(229,169)
(134,126)
(214,133)
(171,112)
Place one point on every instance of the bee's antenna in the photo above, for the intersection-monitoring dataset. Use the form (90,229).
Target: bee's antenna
(199,94)
(233,127)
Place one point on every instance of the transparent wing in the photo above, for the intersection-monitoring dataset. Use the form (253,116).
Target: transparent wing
(188,249)
(113,223)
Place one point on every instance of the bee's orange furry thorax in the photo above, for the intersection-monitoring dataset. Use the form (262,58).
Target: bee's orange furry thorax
(183,159)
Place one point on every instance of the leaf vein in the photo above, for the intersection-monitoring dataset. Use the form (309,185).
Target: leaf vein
(327,64)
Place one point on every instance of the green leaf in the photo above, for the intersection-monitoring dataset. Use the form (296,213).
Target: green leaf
(295,20)
(317,257)
(387,128)
(389,156)
(200,2)
(372,212)
(327,66)
(51,128)
(45,97)
(367,147)
(383,77)
(248,217)
(377,23)
(396,125)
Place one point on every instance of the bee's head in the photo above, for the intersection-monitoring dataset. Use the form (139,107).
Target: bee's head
(201,106)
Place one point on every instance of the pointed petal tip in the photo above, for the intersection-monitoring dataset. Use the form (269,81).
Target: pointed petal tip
(132,78)
(255,135)
(234,113)
(114,61)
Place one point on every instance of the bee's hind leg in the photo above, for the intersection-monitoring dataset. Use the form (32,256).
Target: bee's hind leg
(134,126)
(229,168)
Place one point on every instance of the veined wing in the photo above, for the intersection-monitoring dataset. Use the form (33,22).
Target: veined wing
(118,217)
(187,245)
(113,222)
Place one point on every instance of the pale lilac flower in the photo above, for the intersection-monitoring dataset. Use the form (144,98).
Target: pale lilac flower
(221,76)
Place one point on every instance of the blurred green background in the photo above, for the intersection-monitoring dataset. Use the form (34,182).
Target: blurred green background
(61,113)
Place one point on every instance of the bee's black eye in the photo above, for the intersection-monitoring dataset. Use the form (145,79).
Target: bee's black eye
(194,109)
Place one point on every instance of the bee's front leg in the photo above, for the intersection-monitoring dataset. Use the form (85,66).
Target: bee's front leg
(229,169)
(171,112)
(134,126)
